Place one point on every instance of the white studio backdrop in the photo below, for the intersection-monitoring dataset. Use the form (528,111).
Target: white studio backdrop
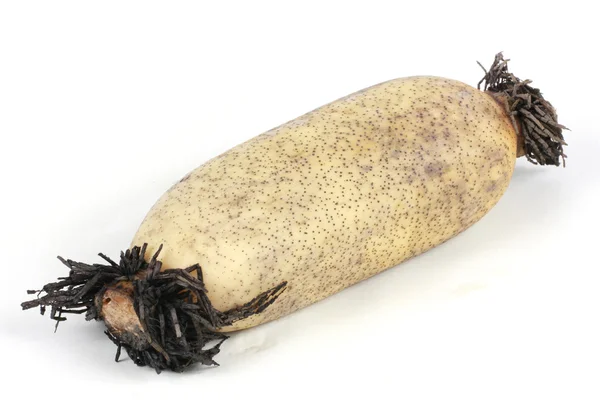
(104,105)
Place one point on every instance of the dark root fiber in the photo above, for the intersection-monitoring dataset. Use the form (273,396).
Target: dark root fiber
(541,131)
(175,313)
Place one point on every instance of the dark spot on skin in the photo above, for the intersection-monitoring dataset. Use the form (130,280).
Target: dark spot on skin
(185,178)
(435,168)
(491,186)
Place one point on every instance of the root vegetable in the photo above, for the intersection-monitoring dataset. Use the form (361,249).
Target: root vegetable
(309,208)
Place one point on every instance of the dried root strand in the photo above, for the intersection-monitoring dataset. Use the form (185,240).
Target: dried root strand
(74,294)
(538,120)
(181,320)
(172,306)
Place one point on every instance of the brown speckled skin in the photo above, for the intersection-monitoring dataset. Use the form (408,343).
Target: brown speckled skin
(338,194)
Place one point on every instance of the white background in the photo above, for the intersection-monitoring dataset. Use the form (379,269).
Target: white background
(104,105)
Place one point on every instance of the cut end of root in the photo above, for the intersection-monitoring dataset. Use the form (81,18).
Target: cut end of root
(163,319)
(535,116)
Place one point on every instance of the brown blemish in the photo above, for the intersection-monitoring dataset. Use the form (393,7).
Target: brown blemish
(435,168)
(185,178)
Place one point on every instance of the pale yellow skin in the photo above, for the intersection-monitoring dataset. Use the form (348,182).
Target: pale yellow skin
(338,194)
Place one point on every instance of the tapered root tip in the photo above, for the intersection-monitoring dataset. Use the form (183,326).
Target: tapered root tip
(162,319)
